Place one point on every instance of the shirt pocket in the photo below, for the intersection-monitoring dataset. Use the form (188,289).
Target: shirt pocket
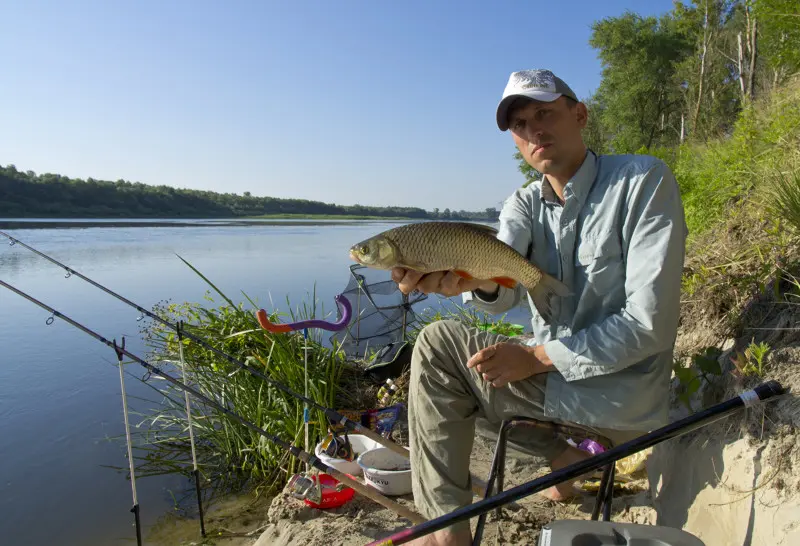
(599,264)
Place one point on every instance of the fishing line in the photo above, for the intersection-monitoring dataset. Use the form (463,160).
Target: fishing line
(135,508)
(196,472)
(333,415)
(301,454)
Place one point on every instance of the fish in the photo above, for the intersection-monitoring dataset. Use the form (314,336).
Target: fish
(470,250)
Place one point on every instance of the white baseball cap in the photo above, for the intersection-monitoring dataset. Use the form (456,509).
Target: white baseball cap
(541,85)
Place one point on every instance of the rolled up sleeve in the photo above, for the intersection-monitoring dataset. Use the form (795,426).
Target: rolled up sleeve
(647,323)
(514,230)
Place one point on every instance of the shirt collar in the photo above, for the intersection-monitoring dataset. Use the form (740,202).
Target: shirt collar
(578,186)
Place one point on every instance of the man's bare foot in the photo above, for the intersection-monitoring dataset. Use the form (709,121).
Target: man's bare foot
(566,490)
(444,537)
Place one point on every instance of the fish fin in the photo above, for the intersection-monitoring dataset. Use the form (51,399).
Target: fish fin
(463,274)
(544,292)
(508,282)
(417,266)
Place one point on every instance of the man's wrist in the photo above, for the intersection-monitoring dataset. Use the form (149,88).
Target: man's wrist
(541,363)
(488,291)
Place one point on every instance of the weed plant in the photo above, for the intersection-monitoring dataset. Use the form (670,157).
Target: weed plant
(228,451)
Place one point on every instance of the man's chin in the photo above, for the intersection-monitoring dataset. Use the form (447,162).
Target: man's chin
(544,166)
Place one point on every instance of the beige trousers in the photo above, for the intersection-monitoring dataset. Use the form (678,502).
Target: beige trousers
(445,399)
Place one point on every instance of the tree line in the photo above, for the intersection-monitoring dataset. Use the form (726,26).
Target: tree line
(26,194)
(685,77)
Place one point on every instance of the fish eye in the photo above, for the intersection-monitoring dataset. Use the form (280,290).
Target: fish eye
(364,249)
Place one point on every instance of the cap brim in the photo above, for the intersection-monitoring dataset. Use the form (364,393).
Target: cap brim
(502,107)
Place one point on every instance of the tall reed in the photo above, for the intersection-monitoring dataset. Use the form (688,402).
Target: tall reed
(227,450)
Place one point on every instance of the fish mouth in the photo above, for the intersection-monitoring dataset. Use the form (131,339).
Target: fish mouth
(354,256)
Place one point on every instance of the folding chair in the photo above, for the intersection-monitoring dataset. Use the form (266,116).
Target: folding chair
(605,492)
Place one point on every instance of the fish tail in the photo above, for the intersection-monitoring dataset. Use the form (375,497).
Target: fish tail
(543,293)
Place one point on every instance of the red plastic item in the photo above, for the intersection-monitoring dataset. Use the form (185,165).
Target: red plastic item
(330,497)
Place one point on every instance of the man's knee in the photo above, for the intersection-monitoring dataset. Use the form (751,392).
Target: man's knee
(435,333)
(434,346)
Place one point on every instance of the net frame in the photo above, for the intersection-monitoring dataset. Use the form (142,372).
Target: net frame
(382,314)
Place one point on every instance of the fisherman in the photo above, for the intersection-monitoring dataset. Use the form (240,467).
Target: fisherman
(610,227)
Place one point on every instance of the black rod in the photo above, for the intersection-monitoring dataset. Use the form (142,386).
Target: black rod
(199,501)
(330,413)
(683,426)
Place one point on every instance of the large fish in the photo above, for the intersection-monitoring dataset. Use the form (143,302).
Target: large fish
(471,251)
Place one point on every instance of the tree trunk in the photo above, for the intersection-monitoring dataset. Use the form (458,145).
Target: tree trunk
(753,54)
(682,131)
(740,66)
(702,72)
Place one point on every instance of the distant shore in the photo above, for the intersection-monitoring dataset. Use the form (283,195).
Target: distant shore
(278,220)
(325,217)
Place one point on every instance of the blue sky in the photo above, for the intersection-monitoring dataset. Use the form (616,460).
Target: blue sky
(348,102)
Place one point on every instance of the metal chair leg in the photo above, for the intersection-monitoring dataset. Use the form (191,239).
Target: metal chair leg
(602,494)
(497,470)
(609,494)
(498,461)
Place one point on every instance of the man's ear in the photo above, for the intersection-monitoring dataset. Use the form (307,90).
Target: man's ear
(582,114)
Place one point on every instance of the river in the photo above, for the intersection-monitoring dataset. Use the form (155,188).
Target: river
(59,388)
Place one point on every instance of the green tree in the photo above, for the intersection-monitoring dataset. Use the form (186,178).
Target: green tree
(639,93)
(779,35)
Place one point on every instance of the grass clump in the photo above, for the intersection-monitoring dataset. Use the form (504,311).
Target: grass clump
(468,315)
(227,450)
(785,199)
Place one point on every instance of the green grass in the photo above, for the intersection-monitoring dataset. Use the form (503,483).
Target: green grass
(227,450)
(760,156)
(468,315)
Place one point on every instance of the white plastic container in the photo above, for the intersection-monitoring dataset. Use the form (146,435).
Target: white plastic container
(386,471)
(360,445)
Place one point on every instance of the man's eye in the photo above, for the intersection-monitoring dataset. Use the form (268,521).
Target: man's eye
(519,124)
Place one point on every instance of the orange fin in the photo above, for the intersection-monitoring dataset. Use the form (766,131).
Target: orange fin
(508,282)
(463,274)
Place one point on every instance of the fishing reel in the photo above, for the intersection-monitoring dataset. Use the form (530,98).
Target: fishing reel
(305,487)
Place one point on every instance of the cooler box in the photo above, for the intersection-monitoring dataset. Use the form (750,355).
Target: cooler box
(609,533)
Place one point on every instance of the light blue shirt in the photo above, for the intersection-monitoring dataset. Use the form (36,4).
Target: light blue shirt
(618,243)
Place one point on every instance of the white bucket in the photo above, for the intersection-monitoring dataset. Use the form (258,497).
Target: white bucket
(360,445)
(386,471)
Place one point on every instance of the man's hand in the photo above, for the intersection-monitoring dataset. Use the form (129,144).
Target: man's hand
(446,283)
(504,362)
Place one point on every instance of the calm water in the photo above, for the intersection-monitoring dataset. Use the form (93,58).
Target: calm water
(59,388)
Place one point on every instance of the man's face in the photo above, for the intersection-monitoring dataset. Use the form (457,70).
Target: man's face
(548,134)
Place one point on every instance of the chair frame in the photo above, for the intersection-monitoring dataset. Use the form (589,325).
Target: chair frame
(605,493)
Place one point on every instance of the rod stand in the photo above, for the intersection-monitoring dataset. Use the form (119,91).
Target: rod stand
(135,511)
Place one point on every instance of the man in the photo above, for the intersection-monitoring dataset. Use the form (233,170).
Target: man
(612,229)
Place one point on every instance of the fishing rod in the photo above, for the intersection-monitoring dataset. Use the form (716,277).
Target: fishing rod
(750,398)
(298,452)
(332,414)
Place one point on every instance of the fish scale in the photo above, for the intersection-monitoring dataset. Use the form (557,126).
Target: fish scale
(470,250)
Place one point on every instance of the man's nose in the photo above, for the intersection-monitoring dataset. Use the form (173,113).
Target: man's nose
(533,132)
